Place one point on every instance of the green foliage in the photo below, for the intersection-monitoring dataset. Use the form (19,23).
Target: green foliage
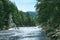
(29,20)
(48,14)
(19,18)
(6,7)
(23,19)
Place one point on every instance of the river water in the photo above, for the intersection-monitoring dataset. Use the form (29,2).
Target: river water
(23,33)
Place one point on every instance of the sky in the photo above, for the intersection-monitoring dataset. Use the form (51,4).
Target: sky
(25,5)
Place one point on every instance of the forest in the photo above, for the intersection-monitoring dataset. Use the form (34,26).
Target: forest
(48,16)
(19,17)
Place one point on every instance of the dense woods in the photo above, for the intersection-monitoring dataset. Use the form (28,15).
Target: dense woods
(49,17)
(19,17)
(6,7)
(23,19)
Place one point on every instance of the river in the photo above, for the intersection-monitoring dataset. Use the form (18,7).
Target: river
(23,33)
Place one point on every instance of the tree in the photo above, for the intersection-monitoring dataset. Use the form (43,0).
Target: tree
(19,18)
(6,7)
(49,15)
(23,19)
(29,20)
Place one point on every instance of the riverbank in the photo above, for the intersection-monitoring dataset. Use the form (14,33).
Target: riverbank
(53,35)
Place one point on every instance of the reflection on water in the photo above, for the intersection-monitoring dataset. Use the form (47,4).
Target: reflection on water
(23,33)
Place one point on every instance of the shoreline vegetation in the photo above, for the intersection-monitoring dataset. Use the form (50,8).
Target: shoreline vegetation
(10,16)
(47,15)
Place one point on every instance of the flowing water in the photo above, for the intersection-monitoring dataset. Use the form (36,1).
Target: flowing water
(23,33)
